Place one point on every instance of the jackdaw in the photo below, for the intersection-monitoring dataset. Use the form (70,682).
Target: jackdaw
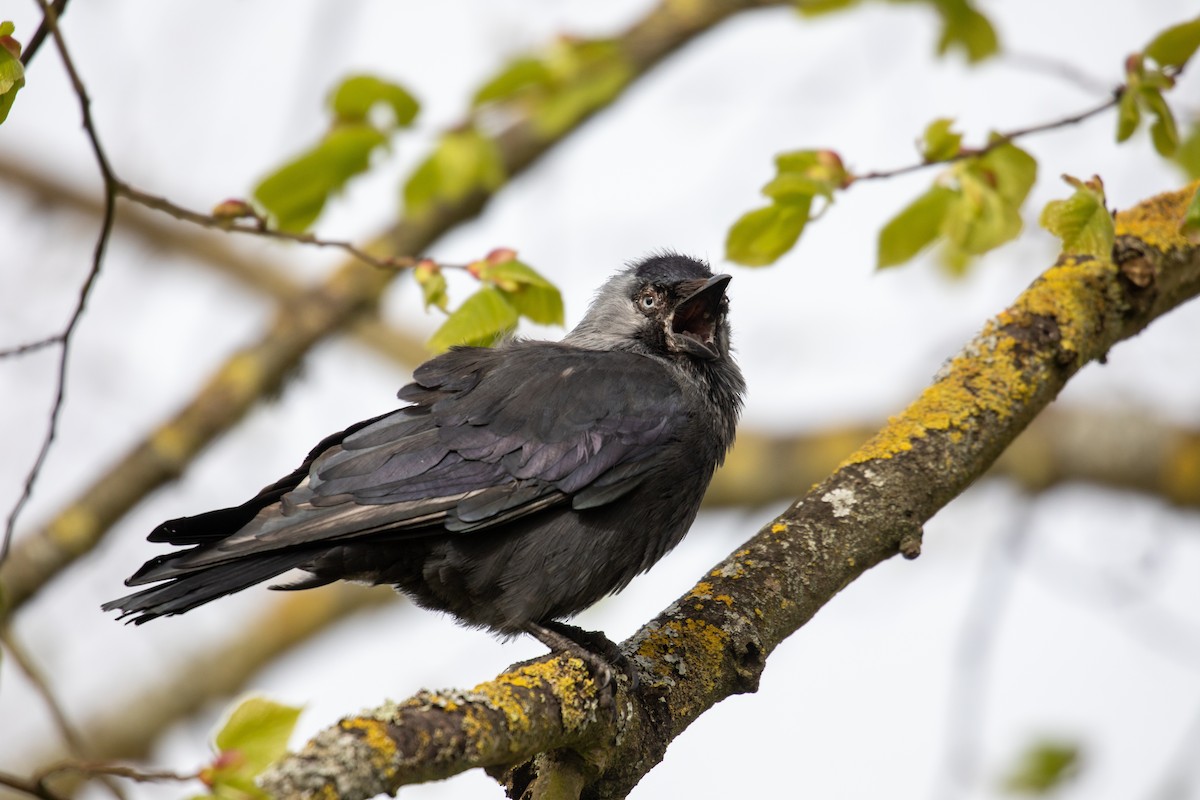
(520,485)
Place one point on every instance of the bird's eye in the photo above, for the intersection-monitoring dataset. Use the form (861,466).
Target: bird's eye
(649,301)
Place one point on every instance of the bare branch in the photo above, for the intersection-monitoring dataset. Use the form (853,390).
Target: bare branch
(259,228)
(49,20)
(64,339)
(714,640)
(1001,139)
(1049,65)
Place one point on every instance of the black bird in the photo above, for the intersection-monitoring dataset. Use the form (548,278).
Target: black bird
(522,484)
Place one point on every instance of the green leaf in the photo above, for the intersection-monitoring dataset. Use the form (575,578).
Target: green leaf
(12,72)
(1044,767)
(940,143)
(295,194)
(1163,132)
(519,75)
(1176,45)
(354,98)
(1082,221)
(432,281)
(258,731)
(1014,171)
(480,320)
(540,304)
(510,274)
(761,236)
(806,173)
(982,219)
(914,228)
(965,28)
(1191,219)
(1187,155)
(992,189)
(1128,114)
(462,162)
(528,292)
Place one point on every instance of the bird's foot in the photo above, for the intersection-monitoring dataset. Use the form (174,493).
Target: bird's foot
(595,649)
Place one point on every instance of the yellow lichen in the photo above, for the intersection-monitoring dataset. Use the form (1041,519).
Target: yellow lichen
(702,590)
(242,374)
(778,527)
(992,374)
(172,444)
(685,634)
(1181,473)
(74,530)
(1156,221)
(724,598)
(374,733)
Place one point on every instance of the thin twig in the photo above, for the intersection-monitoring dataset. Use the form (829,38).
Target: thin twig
(39,36)
(1049,65)
(30,347)
(42,686)
(998,141)
(106,227)
(98,769)
(258,228)
(33,788)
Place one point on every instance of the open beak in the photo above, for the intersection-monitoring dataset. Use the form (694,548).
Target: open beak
(693,324)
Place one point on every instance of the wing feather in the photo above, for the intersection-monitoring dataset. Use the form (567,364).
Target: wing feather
(493,435)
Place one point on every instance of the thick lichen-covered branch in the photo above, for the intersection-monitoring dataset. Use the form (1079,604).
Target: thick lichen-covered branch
(714,640)
(259,368)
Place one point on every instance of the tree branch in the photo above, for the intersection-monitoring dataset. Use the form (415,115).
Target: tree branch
(714,641)
(262,366)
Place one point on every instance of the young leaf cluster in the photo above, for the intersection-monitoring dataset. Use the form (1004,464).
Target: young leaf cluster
(255,735)
(558,88)
(975,205)
(1147,75)
(761,236)
(12,72)
(510,290)
(463,161)
(1082,221)
(366,111)
(972,207)
(963,26)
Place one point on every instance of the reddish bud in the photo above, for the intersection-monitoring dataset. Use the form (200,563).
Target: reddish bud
(501,255)
(232,209)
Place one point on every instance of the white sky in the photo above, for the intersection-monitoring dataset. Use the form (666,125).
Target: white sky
(1095,636)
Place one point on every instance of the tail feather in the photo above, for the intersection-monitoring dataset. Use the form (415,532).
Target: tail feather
(186,592)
